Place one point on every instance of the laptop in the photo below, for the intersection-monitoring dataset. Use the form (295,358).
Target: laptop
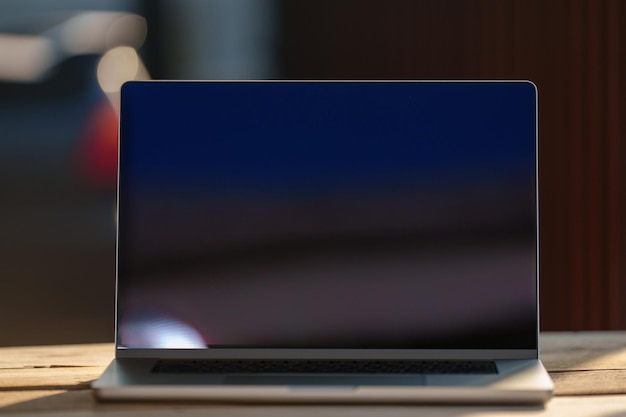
(327,241)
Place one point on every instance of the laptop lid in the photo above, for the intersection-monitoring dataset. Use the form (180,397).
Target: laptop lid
(327,219)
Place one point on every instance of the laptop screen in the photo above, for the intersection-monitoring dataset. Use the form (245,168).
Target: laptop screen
(327,215)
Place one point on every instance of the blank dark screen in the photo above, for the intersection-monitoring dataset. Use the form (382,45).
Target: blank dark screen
(328,214)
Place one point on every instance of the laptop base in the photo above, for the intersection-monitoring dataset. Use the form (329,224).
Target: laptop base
(517,382)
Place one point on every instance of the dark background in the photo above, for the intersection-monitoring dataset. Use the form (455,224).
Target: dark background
(57,182)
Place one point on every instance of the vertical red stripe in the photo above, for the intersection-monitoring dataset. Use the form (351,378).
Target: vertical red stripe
(575,145)
(595,139)
(613,167)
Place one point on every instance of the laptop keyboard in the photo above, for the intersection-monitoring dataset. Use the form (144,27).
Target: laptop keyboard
(229,366)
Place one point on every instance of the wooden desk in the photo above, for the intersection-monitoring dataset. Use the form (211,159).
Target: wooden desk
(589,371)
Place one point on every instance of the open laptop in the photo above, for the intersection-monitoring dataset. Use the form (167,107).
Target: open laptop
(315,241)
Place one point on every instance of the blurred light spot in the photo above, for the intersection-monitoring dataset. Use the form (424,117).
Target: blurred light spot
(127,30)
(97,32)
(117,66)
(152,330)
(25,57)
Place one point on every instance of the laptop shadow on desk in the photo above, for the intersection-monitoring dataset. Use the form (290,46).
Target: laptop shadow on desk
(81,402)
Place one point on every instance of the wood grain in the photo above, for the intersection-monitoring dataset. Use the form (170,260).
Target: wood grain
(56,356)
(78,404)
(52,380)
(578,351)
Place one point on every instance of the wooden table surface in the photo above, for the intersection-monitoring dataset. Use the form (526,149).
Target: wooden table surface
(588,369)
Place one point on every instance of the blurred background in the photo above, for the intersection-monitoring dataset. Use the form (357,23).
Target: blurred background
(62,63)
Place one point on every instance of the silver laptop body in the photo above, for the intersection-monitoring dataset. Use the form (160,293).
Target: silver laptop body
(327,241)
